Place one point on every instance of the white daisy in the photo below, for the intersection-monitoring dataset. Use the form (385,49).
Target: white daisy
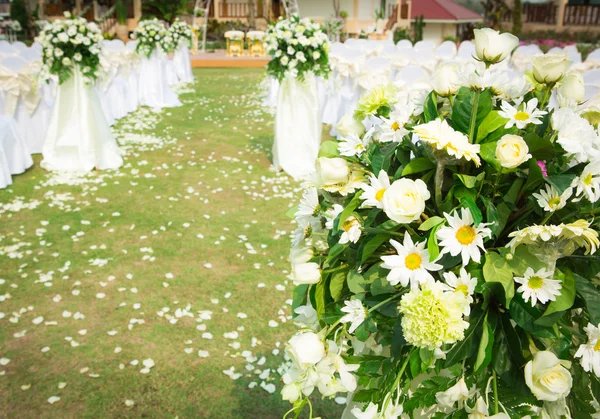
(373,193)
(410,265)
(463,283)
(351,145)
(308,208)
(588,184)
(331,214)
(392,128)
(549,200)
(356,314)
(441,136)
(351,230)
(528,114)
(590,352)
(461,237)
(538,286)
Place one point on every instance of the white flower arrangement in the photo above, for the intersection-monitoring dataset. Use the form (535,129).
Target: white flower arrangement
(70,44)
(182,34)
(152,34)
(234,35)
(255,35)
(297,47)
(451,269)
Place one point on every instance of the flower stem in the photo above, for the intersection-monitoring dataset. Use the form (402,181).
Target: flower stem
(476,95)
(382,230)
(495,392)
(439,181)
(376,306)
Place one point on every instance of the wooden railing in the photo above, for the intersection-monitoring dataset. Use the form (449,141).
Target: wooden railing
(535,13)
(582,15)
(238,10)
(392,18)
(108,20)
(5,8)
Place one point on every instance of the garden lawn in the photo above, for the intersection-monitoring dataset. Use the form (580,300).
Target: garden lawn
(180,258)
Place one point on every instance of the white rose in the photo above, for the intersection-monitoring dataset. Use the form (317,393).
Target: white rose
(307,348)
(572,87)
(331,171)
(445,79)
(348,126)
(548,377)
(306,273)
(549,68)
(301,255)
(492,47)
(512,151)
(404,200)
(66,61)
(316,55)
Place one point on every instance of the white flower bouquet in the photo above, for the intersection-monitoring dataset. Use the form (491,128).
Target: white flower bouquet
(182,34)
(297,46)
(68,44)
(444,258)
(152,34)
(234,35)
(255,35)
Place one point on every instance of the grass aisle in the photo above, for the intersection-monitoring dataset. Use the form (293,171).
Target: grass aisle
(128,294)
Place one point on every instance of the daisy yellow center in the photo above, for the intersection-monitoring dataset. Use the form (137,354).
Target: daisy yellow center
(413,261)
(462,288)
(588,179)
(465,235)
(348,224)
(359,147)
(597,346)
(379,194)
(395,126)
(554,202)
(535,282)
(521,116)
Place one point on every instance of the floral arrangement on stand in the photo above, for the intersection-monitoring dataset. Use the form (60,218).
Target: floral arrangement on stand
(182,34)
(71,44)
(151,34)
(256,46)
(297,46)
(235,43)
(445,256)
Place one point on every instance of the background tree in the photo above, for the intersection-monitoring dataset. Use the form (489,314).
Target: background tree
(517,17)
(493,11)
(336,8)
(166,10)
(251,14)
(20,13)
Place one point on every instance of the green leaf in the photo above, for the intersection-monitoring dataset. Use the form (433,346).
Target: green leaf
(430,111)
(486,344)
(329,149)
(464,348)
(566,298)
(370,244)
(432,244)
(488,154)
(382,158)
(417,165)
(590,295)
(497,270)
(540,148)
(334,252)
(300,294)
(468,202)
(525,316)
(365,329)
(356,282)
(535,177)
(354,203)
(463,109)
(381,286)
(319,297)
(291,213)
(561,182)
(398,341)
(490,123)
(336,284)
(431,222)
(470,181)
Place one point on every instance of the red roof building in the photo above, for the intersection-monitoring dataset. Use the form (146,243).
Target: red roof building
(442,11)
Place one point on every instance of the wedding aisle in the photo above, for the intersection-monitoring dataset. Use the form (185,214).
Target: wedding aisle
(158,290)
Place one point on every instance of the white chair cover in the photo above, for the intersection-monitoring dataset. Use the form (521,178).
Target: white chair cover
(153,84)
(296,144)
(183,64)
(79,137)
(14,155)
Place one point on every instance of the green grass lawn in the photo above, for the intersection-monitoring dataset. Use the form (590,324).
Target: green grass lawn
(188,240)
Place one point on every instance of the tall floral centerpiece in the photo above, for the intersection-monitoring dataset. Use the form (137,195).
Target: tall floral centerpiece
(182,35)
(445,253)
(153,42)
(299,55)
(70,45)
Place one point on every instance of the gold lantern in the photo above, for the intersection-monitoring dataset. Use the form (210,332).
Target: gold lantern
(256,46)
(235,43)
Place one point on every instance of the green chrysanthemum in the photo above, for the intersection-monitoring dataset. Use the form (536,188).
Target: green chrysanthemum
(433,316)
(380,97)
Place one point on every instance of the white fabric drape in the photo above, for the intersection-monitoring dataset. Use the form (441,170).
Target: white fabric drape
(183,64)
(297,127)
(15,157)
(154,88)
(79,137)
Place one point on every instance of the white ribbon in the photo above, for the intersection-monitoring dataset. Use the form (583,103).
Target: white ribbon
(17,86)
